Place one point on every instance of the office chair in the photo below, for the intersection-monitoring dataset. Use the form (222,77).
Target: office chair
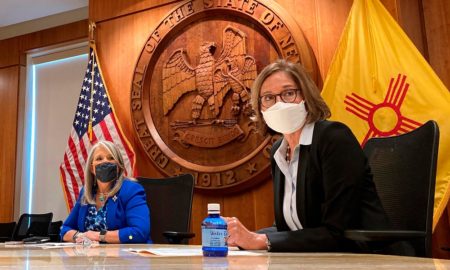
(170,203)
(54,230)
(6,231)
(404,172)
(32,225)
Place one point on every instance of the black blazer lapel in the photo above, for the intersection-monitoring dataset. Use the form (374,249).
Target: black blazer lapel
(278,200)
(303,164)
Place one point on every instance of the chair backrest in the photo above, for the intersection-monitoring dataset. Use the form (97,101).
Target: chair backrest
(170,203)
(32,225)
(6,231)
(404,169)
(54,230)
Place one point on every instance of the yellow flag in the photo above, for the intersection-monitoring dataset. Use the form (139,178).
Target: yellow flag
(380,85)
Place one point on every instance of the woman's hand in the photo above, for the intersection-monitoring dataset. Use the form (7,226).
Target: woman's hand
(92,235)
(239,236)
(79,238)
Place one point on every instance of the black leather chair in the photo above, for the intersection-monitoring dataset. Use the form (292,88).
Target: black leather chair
(6,231)
(170,203)
(32,225)
(54,230)
(404,169)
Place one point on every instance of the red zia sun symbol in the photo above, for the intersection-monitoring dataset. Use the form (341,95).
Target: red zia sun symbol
(385,118)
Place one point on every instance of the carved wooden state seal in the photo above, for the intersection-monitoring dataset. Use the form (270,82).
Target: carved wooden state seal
(191,88)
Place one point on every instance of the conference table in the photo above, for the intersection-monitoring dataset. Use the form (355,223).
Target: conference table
(111,256)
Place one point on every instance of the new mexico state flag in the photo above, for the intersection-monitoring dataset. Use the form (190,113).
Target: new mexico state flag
(380,85)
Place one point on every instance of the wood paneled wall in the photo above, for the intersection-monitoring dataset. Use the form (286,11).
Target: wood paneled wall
(12,58)
(123,26)
(9,94)
(437,30)
(9,87)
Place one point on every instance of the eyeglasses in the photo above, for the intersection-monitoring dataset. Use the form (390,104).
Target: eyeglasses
(287,96)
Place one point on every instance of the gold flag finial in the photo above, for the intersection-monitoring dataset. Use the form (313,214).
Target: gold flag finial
(92,27)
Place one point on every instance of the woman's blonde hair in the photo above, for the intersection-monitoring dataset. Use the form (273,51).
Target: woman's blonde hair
(89,178)
(314,103)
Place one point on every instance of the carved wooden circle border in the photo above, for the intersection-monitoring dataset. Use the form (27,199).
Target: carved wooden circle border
(286,37)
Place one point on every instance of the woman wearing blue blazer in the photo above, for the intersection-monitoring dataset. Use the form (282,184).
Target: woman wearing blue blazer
(110,207)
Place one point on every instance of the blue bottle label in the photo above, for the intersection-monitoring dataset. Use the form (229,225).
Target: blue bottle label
(214,237)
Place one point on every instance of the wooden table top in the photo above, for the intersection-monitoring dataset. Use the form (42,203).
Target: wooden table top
(117,257)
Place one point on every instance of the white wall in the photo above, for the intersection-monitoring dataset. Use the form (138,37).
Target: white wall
(56,77)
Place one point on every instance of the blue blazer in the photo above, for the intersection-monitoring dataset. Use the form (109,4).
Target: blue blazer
(127,212)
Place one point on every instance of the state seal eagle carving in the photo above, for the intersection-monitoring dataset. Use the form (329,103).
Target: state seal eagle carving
(211,79)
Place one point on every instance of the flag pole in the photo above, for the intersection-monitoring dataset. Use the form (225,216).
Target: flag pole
(92,27)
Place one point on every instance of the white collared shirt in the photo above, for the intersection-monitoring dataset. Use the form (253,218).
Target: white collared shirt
(290,173)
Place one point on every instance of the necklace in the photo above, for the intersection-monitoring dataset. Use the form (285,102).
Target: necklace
(102,196)
(288,153)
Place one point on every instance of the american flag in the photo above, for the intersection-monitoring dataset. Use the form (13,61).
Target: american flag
(94,120)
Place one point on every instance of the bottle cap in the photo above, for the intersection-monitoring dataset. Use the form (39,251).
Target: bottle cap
(213,207)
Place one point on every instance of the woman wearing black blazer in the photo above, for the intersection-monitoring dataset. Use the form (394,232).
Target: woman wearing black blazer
(322,181)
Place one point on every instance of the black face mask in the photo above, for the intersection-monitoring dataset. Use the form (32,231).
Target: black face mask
(106,172)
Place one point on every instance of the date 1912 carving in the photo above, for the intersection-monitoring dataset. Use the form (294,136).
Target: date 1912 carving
(190,96)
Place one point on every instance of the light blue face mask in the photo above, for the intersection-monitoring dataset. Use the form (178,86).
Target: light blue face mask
(286,118)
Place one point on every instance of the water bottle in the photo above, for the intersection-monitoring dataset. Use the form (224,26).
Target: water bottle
(214,233)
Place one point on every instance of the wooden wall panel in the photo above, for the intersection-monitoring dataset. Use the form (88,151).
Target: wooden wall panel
(408,14)
(437,24)
(437,28)
(331,17)
(306,18)
(61,34)
(9,54)
(105,10)
(322,23)
(9,92)
(411,20)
